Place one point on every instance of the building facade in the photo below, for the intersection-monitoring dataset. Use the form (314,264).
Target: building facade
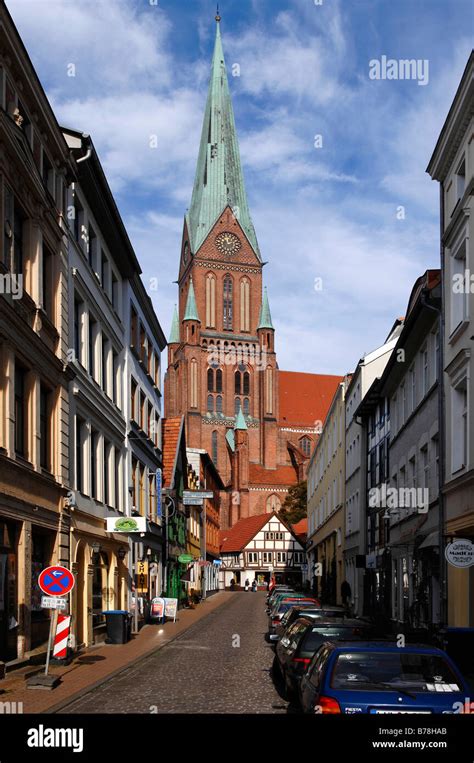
(326,500)
(222,356)
(411,511)
(260,548)
(452,165)
(35,169)
(355,543)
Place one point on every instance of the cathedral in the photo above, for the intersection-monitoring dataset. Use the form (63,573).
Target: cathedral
(258,423)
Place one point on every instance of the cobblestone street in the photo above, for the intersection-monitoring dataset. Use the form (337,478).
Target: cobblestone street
(203,671)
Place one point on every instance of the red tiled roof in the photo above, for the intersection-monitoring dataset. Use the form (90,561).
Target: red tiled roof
(305,398)
(282,475)
(170,441)
(300,529)
(238,536)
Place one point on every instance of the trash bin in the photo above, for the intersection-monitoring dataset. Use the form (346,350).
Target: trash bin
(459,644)
(118,624)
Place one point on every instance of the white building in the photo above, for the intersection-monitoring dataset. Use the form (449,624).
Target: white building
(368,369)
(259,548)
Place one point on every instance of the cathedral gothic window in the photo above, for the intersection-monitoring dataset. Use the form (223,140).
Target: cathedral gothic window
(238,383)
(227,303)
(210,380)
(193,384)
(219,404)
(214,448)
(211,300)
(210,403)
(245,305)
(305,444)
(218,380)
(237,405)
(273,503)
(246,406)
(269,389)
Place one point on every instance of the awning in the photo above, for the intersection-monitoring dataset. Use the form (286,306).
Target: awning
(432,539)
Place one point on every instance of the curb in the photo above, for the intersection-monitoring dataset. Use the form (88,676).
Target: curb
(91,687)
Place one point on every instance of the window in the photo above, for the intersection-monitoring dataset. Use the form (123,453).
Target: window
(104,269)
(238,383)
(237,406)
(20,406)
(459,293)
(92,333)
(94,460)
(437,358)
(105,370)
(267,557)
(425,465)
(412,378)
(45,449)
(459,426)
(210,380)
(78,307)
(273,504)
(210,300)
(245,305)
(91,246)
(193,383)
(252,557)
(227,304)
(133,327)
(78,220)
(210,403)
(214,448)
(246,387)
(19,219)
(305,444)
(219,380)
(47,283)
(106,495)
(246,406)
(269,389)
(412,472)
(115,291)
(143,409)
(115,378)
(460,179)
(281,557)
(79,455)
(219,404)
(143,343)
(426,370)
(48,174)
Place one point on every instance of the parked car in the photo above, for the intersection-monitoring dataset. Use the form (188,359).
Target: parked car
(273,603)
(303,638)
(380,677)
(316,613)
(276,592)
(275,617)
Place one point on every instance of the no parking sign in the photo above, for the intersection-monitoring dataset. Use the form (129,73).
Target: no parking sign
(56,581)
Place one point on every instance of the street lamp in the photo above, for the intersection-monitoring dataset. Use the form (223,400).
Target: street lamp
(121,553)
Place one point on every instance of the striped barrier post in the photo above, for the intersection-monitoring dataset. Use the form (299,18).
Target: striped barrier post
(61,637)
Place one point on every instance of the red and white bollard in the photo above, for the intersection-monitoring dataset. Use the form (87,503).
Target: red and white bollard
(61,637)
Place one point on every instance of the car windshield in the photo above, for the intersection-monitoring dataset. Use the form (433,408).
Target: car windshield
(286,605)
(381,671)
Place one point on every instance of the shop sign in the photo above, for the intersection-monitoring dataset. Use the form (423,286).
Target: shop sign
(460,553)
(371,561)
(158,493)
(171,608)
(142,577)
(157,607)
(185,558)
(126,524)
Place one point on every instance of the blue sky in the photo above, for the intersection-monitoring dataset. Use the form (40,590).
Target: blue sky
(326,213)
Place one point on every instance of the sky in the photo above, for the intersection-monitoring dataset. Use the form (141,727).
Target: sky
(346,221)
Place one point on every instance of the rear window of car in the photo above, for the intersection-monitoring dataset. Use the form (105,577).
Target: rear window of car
(286,605)
(316,636)
(388,671)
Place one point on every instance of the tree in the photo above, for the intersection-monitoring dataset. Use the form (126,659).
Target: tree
(295,507)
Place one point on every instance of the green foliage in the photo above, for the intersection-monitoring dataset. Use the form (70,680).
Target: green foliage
(295,506)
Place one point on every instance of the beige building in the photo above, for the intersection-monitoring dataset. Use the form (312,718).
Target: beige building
(452,165)
(326,501)
(34,448)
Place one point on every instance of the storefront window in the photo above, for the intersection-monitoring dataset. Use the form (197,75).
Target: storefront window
(101,593)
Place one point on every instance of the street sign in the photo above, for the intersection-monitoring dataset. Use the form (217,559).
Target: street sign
(460,553)
(158,493)
(191,501)
(51,602)
(198,494)
(56,581)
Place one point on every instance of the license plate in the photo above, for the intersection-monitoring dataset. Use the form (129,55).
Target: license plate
(376,711)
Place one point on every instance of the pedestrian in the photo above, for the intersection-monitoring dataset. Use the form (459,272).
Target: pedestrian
(247,584)
(346,593)
(232,585)
(254,586)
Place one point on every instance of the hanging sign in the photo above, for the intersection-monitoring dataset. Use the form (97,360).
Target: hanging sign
(126,524)
(460,553)
(142,577)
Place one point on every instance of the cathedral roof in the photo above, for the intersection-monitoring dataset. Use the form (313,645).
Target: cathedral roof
(265,320)
(219,180)
(305,398)
(281,476)
(240,420)
(174,333)
(191,313)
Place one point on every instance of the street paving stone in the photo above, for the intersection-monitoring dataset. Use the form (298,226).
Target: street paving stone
(222,664)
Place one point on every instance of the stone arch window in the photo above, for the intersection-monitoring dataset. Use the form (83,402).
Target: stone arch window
(238,383)
(219,404)
(246,406)
(210,300)
(245,304)
(210,403)
(218,380)
(214,448)
(246,385)
(236,405)
(228,303)
(273,503)
(305,445)
(210,380)
(269,389)
(193,385)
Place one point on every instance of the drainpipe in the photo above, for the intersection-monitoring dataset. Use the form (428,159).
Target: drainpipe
(88,154)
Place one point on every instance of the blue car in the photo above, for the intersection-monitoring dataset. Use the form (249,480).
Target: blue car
(381,678)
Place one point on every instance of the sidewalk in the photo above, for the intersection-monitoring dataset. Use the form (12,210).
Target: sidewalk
(98,663)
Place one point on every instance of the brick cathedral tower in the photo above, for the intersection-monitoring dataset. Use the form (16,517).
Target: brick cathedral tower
(222,370)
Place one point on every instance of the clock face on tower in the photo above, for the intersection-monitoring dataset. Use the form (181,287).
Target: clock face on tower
(228,243)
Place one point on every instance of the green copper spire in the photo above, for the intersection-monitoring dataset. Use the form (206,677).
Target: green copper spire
(265,320)
(174,333)
(240,421)
(219,180)
(191,313)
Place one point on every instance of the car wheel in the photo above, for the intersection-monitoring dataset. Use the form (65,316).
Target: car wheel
(289,690)
(276,669)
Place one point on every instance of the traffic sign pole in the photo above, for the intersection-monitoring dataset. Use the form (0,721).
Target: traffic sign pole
(54,616)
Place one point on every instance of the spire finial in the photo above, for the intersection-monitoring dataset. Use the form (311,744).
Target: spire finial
(218,16)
